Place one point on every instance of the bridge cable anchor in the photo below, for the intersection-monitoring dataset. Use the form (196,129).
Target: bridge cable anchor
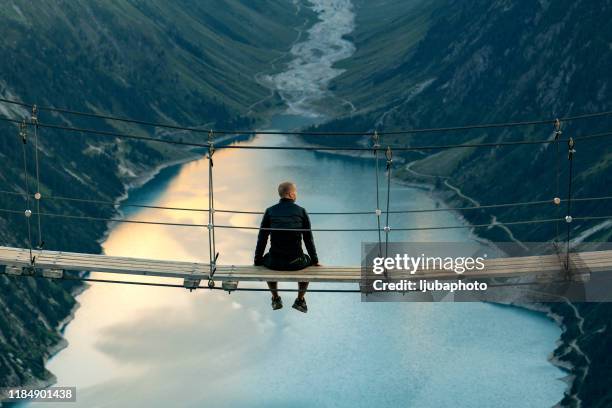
(213,269)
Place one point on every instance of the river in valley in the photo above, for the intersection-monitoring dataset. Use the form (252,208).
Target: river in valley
(160,347)
(303,84)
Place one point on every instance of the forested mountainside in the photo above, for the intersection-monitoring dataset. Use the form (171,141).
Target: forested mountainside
(452,63)
(481,62)
(187,62)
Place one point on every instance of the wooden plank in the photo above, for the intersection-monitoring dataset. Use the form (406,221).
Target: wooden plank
(102,263)
(547,264)
(87,264)
(111,266)
(77,257)
(594,261)
(115,261)
(110,262)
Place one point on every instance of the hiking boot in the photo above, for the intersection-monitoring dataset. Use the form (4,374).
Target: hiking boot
(277,303)
(300,304)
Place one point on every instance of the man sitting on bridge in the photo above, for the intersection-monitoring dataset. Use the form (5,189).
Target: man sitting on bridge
(286,246)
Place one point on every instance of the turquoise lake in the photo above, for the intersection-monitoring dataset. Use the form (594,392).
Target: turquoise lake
(158,347)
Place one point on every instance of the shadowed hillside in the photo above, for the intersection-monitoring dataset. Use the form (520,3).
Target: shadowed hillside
(499,61)
(187,62)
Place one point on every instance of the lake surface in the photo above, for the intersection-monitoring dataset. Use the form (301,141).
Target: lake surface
(146,346)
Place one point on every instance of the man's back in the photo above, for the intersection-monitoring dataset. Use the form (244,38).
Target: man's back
(285,245)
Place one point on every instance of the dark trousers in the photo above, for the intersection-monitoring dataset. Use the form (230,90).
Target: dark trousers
(281,264)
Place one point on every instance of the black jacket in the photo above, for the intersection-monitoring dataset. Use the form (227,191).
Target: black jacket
(286,245)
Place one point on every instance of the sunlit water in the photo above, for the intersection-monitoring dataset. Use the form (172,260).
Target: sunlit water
(159,347)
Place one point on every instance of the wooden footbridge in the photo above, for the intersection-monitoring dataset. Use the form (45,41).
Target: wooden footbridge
(53,265)
(35,261)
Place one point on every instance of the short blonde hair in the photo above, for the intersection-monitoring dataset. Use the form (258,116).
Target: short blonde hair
(285,188)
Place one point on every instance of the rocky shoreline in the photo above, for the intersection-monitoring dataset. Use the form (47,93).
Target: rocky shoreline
(558,357)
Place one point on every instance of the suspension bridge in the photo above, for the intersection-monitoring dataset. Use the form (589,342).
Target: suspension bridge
(34,260)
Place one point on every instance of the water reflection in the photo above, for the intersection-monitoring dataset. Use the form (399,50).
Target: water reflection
(145,346)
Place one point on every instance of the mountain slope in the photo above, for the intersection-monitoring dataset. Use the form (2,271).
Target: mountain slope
(475,64)
(186,61)
(386,38)
(499,61)
(183,58)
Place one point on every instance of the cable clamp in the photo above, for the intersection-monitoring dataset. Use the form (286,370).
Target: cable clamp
(229,286)
(389,156)
(34,117)
(210,226)
(191,283)
(28,213)
(31,268)
(570,146)
(37,196)
(211,143)
(387,229)
(568,219)
(376,140)
(213,269)
(557,129)
(23,132)
(53,273)
(378,212)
